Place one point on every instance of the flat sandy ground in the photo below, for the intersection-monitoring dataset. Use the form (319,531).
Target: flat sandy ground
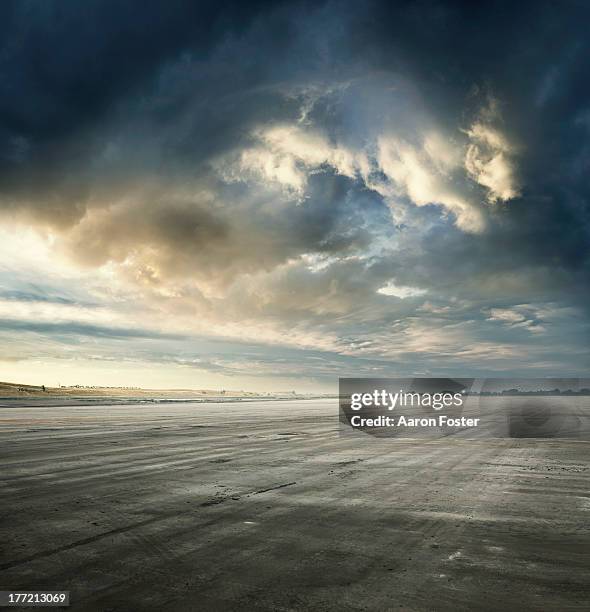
(262,506)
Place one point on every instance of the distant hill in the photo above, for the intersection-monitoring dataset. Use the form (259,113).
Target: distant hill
(10,390)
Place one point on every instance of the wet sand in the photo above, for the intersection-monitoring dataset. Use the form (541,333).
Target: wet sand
(263,506)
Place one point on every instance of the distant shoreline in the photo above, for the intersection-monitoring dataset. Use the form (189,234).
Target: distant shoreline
(14,394)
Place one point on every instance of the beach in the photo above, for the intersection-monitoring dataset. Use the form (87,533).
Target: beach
(264,506)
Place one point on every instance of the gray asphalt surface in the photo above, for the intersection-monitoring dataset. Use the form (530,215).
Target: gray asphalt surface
(262,506)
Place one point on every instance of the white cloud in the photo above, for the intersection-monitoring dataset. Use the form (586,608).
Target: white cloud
(489,161)
(523,316)
(286,154)
(506,315)
(273,167)
(421,174)
(399,291)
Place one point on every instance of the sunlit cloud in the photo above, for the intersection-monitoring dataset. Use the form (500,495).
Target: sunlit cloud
(401,292)
(490,158)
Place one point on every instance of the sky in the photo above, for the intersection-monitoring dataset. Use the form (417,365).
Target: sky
(268,196)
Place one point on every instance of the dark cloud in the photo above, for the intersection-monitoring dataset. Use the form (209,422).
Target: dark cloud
(69,329)
(28,296)
(69,72)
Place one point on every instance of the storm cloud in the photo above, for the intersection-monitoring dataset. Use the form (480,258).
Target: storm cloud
(390,183)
